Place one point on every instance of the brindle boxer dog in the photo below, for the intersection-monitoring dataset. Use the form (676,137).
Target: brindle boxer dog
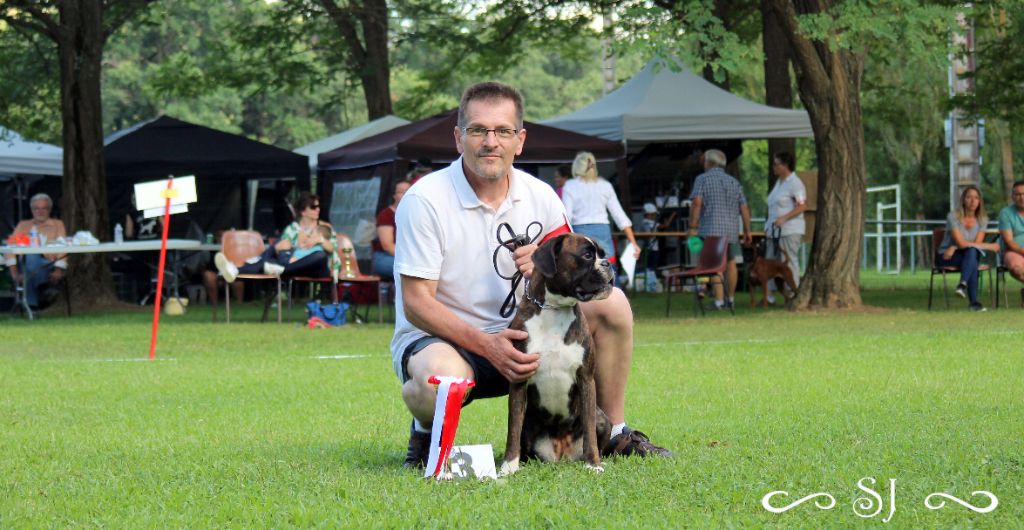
(554,416)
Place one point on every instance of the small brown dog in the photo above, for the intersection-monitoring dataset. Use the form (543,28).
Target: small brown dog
(764,270)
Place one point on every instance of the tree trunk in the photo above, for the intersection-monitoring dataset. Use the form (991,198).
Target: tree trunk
(778,88)
(829,83)
(376,73)
(80,48)
(369,54)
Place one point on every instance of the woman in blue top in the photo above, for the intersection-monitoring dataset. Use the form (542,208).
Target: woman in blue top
(963,244)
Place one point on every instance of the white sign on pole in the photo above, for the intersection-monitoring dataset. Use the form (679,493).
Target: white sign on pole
(150,198)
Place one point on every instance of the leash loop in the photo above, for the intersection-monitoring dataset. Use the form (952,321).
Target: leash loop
(511,241)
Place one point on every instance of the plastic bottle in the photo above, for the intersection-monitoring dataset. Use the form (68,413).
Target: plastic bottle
(118,233)
(33,237)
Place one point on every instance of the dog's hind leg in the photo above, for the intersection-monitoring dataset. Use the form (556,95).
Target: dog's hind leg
(516,415)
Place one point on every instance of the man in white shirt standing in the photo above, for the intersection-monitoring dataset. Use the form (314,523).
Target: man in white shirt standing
(786,205)
(448,318)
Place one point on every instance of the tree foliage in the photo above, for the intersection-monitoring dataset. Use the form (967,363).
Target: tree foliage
(999,72)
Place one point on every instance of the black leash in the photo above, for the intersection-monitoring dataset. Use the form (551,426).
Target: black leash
(511,243)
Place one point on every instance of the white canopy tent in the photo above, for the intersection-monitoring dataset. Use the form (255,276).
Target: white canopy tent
(659,105)
(22,157)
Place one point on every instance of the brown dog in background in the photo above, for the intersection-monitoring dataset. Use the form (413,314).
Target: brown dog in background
(764,270)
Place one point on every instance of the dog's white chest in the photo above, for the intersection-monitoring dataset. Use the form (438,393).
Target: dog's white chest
(559,361)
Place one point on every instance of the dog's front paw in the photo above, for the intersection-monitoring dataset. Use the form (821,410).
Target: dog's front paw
(508,468)
(596,469)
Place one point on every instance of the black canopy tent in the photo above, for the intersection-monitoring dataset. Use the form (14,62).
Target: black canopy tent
(222,163)
(355,179)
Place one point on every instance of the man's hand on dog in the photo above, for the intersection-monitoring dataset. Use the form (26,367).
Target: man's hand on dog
(515,365)
(524,259)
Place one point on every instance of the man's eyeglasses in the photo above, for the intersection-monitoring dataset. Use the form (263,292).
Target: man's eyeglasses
(480,132)
(40,208)
(313,206)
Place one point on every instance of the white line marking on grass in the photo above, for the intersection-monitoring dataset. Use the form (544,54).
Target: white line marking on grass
(339,356)
(127,360)
(706,342)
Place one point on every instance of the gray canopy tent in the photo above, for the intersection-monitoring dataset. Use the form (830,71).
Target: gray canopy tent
(659,105)
(665,118)
(25,167)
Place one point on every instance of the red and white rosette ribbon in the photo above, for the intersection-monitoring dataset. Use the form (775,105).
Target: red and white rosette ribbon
(450,393)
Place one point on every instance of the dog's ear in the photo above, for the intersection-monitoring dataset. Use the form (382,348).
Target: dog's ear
(546,255)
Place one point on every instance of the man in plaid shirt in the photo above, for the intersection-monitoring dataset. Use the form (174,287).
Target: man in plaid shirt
(718,205)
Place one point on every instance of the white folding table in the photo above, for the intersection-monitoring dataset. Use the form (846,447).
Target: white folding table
(127,246)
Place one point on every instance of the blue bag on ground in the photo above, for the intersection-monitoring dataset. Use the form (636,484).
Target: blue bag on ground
(333,314)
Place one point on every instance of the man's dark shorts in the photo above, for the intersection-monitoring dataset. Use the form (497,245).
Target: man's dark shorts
(489,382)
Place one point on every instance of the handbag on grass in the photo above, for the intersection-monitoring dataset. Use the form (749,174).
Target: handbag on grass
(333,314)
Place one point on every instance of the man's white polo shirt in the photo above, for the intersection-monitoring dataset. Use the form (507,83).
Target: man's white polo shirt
(445,233)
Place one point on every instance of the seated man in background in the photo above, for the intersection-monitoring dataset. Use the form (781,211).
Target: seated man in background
(1011,228)
(41,270)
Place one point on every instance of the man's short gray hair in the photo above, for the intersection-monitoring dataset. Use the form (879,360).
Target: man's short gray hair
(714,157)
(41,197)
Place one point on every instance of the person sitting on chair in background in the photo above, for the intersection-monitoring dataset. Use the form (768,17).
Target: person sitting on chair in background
(588,200)
(301,234)
(718,205)
(963,244)
(1011,228)
(41,270)
(785,225)
(384,244)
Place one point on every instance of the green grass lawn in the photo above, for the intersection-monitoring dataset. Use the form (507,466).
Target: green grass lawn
(241,426)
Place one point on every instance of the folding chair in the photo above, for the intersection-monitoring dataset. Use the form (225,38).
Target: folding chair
(19,304)
(1000,285)
(711,264)
(315,283)
(385,299)
(239,246)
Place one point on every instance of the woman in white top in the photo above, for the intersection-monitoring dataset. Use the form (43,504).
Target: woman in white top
(589,199)
(785,225)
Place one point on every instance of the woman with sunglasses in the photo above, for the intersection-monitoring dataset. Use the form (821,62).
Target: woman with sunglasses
(304,248)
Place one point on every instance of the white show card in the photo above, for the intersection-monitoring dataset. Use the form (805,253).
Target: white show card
(470,461)
(152,195)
